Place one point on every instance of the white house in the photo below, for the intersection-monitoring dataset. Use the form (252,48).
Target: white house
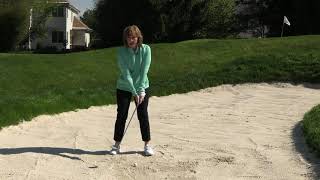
(64,29)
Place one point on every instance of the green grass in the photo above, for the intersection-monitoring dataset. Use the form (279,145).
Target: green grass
(311,128)
(34,84)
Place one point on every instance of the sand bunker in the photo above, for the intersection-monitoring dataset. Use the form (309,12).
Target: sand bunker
(249,131)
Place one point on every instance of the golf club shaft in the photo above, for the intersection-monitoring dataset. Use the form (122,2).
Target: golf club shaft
(129,122)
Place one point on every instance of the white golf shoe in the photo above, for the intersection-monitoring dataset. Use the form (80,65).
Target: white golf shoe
(148,151)
(115,150)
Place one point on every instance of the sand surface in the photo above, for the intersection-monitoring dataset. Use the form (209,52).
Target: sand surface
(249,131)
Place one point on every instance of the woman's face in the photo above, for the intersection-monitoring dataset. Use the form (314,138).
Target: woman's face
(132,41)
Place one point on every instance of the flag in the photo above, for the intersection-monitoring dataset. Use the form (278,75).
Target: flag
(286,21)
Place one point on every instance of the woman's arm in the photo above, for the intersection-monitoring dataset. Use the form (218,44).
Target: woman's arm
(144,69)
(124,70)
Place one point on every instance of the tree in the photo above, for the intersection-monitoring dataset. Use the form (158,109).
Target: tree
(114,15)
(303,16)
(254,16)
(218,19)
(41,11)
(14,21)
(89,18)
(176,19)
(189,19)
(270,13)
(165,20)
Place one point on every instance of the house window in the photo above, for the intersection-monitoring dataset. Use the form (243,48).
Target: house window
(57,37)
(58,11)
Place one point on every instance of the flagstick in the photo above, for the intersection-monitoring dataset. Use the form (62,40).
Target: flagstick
(30,24)
(282,29)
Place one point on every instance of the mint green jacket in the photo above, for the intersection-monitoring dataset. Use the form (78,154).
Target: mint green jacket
(134,67)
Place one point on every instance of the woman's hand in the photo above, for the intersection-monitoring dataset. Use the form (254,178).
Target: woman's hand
(140,98)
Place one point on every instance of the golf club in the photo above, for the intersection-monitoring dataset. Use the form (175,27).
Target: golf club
(129,123)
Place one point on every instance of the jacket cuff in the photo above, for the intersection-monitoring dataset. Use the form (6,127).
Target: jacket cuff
(142,93)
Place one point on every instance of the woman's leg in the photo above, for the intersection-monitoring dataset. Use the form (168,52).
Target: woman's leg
(143,117)
(123,102)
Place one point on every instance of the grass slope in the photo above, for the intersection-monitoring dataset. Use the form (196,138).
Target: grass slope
(311,128)
(33,84)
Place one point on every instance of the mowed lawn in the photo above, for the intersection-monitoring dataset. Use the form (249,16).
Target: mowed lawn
(35,84)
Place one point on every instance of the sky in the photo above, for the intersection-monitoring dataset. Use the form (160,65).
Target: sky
(82,5)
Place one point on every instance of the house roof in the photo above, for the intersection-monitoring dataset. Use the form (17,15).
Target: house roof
(67,2)
(79,25)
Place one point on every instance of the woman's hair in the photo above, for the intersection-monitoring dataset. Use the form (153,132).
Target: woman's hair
(132,30)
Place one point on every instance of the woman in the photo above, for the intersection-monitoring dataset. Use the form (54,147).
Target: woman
(134,60)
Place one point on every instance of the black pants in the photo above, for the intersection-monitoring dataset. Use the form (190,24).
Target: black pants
(123,102)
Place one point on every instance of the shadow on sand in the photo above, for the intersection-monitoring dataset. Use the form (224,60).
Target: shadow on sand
(302,148)
(63,152)
(311,86)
